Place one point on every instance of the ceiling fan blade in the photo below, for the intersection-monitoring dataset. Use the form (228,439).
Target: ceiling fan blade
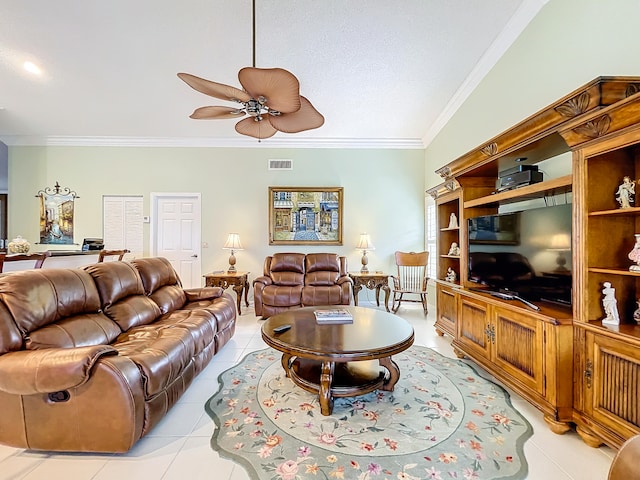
(280,87)
(307,118)
(216,112)
(214,89)
(255,128)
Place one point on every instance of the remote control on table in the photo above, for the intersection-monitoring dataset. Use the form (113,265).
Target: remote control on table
(281,328)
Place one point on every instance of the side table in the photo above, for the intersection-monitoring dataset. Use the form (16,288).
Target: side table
(239,280)
(373,281)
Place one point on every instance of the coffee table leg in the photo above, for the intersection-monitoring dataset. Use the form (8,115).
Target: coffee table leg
(285,361)
(324,393)
(394,373)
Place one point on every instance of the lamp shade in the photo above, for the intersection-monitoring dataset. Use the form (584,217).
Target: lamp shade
(233,242)
(365,242)
(560,241)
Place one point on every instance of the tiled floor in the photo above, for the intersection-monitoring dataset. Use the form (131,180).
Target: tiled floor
(179,447)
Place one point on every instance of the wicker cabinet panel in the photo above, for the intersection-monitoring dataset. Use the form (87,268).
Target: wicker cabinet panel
(613,384)
(474,330)
(447,310)
(519,346)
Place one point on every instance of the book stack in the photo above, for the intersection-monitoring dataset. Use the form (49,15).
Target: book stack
(335,315)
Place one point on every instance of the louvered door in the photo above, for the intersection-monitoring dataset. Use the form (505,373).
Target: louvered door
(518,347)
(612,384)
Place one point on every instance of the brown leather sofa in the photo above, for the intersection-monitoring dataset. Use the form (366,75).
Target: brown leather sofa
(91,359)
(293,280)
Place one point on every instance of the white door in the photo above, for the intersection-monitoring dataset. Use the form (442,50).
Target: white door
(176,232)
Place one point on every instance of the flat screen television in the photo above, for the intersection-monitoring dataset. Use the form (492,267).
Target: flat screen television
(526,253)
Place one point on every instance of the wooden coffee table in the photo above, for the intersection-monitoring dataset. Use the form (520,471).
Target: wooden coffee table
(339,360)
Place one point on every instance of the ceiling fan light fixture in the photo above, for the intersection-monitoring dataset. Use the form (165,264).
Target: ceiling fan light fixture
(270,97)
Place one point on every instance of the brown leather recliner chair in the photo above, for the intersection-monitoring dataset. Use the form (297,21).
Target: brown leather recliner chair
(292,280)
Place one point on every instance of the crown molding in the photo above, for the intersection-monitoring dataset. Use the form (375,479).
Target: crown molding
(239,142)
(512,30)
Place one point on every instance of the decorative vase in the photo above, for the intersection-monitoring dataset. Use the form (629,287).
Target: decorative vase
(634,255)
(19,245)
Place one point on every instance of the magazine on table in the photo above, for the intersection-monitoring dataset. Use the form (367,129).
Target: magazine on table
(333,315)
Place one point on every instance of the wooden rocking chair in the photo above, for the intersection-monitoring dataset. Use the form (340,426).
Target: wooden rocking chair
(411,279)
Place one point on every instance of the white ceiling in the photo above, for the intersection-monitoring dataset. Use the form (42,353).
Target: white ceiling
(382,73)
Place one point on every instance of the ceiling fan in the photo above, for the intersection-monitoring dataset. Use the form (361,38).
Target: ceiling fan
(270,100)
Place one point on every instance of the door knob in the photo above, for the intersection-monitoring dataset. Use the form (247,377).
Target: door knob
(194,256)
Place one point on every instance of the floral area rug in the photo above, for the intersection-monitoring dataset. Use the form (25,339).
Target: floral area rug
(442,421)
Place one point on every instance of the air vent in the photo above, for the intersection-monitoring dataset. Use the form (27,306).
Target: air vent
(280,164)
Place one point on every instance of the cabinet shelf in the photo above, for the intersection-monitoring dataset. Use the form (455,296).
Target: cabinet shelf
(450,229)
(614,271)
(457,257)
(633,211)
(627,329)
(547,188)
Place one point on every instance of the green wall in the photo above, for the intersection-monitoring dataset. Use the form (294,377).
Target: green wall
(383,193)
(568,44)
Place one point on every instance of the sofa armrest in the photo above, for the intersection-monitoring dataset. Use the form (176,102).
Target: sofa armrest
(203,293)
(264,280)
(345,279)
(28,372)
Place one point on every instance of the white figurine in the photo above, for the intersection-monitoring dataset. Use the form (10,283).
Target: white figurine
(451,275)
(636,314)
(453,221)
(454,249)
(626,192)
(610,305)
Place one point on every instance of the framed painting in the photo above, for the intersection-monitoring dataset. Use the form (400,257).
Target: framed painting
(305,215)
(56,215)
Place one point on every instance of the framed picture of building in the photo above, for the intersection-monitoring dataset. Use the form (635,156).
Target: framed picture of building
(305,215)
(56,215)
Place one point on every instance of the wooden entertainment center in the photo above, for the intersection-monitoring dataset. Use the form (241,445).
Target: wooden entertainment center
(577,371)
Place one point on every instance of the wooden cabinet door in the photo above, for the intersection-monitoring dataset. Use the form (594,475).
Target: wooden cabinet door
(474,328)
(447,305)
(612,384)
(518,347)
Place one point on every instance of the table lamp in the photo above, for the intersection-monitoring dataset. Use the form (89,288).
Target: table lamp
(365,244)
(233,244)
(560,242)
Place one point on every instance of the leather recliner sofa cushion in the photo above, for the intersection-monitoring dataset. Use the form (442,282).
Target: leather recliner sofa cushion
(122,295)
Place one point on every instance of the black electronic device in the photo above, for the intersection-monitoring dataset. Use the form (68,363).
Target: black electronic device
(92,244)
(518,179)
(525,253)
(516,169)
(509,296)
(281,328)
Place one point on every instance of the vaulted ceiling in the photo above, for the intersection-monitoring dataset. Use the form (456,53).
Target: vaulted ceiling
(382,73)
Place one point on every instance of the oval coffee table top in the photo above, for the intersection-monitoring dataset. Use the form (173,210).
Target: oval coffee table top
(373,334)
